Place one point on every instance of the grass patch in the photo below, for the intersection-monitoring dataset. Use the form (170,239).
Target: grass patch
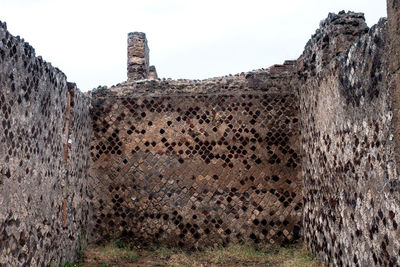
(245,255)
(112,254)
(117,254)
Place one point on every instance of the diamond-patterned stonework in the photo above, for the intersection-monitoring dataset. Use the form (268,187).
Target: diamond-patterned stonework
(196,170)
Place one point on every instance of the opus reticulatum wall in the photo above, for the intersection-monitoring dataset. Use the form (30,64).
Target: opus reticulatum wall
(200,163)
(304,149)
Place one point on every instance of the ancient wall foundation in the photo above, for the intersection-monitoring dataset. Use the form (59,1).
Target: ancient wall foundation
(44,157)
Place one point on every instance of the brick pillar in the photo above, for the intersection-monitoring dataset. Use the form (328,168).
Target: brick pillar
(138,56)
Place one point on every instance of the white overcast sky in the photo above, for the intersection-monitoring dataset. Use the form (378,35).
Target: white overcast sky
(86,39)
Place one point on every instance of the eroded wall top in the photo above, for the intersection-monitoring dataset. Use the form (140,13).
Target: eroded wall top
(276,79)
(335,34)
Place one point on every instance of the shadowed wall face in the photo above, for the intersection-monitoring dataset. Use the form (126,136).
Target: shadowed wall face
(196,169)
(393,48)
(351,186)
(44,157)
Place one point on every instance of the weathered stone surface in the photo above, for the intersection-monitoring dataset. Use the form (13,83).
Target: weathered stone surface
(336,33)
(194,163)
(351,197)
(198,163)
(393,47)
(138,56)
(153,72)
(43,204)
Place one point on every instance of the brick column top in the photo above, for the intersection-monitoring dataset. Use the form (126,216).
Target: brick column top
(138,56)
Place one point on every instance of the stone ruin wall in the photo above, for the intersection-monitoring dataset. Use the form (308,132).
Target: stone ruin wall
(195,163)
(43,185)
(351,186)
(198,163)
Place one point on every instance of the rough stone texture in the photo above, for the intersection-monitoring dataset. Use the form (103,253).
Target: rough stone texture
(275,79)
(393,8)
(43,203)
(138,56)
(197,163)
(351,193)
(335,34)
(153,72)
